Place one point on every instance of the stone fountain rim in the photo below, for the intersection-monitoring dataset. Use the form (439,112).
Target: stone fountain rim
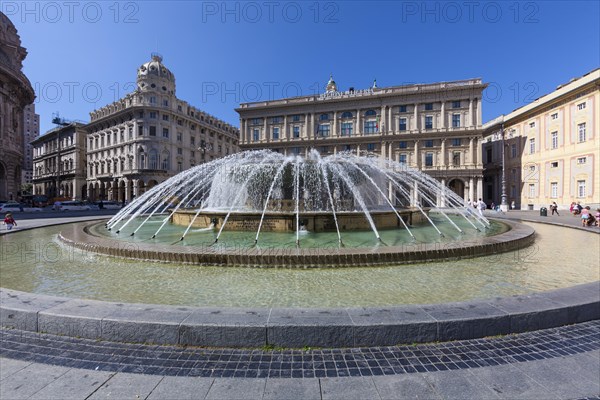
(517,237)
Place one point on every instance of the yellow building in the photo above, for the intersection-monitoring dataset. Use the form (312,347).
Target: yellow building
(551,149)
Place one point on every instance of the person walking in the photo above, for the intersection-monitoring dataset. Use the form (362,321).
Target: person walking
(554,208)
(9,221)
(481,206)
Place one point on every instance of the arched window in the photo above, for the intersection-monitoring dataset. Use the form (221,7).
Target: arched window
(166,161)
(347,114)
(153,159)
(370,113)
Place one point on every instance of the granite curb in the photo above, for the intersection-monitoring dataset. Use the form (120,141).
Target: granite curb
(297,327)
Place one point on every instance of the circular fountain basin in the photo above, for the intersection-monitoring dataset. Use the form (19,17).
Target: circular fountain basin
(360,249)
(54,288)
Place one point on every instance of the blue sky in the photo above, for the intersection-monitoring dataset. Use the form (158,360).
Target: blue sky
(84,55)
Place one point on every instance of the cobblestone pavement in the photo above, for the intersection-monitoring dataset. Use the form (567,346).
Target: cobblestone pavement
(558,363)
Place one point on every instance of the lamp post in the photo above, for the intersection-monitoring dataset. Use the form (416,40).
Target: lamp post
(504,200)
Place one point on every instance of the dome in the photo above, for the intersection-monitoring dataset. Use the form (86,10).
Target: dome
(153,75)
(331,85)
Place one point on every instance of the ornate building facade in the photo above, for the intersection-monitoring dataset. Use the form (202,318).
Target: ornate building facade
(59,162)
(551,148)
(15,94)
(149,136)
(436,128)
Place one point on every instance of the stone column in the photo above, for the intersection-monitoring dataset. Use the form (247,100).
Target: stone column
(135,183)
(266,131)
(417,161)
(358,149)
(443,155)
(390,127)
(285,135)
(382,153)
(479,187)
(416,118)
(391,151)
(313,123)
(472,189)
(478,153)
(335,131)
(479,121)
(382,120)
(470,118)
(471,158)
(358,128)
(305,130)
(443,115)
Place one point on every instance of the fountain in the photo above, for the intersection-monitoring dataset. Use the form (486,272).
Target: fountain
(263,209)
(266,191)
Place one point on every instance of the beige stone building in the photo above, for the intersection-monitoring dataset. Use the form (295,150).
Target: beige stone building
(551,148)
(149,136)
(59,162)
(436,128)
(31,130)
(15,94)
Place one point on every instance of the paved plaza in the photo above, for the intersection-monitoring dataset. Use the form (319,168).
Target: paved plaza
(556,363)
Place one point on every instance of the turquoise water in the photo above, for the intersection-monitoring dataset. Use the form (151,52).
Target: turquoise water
(35,261)
(423,233)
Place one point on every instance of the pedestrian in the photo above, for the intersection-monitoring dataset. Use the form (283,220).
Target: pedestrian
(554,208)
(597,223)
(9,221)
(585,216)
(481,206)
(513,205)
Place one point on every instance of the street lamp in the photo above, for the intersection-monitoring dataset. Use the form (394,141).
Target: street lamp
(504,200)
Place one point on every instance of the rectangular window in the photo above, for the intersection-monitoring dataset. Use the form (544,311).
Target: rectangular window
(456,120)
(179,151)
(296,130)
(581,106)
(428,106)
(513,150)
(370,146)
(531,146)
(429,143)
(554,116)
(456,158)
(192,141)
(276,120)
(402,124)
(153,114)
(370,127)
(554,137)
(179,166)
(554,164)
(296,118)
(255,135)
(152,100)
(403,145)
(456,104)
(581,160)
(456,142)
(165,117)
(347,128)
(403,158)
(323,130)
(165,132)
(179,135)
(255,121)
(428,122)
(581,188)
(275,133)
(152,131)
(554,190)
(429,159)
(532,190)
(166,103)
(402,109)
(581,132)
(532,124)
(140,131)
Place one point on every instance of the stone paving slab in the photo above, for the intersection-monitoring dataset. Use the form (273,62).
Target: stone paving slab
(308,389)
(75,384)
(181,388)
(349,389)
(28,381)
(459,385)
(9,366)
(235,389)
(127,386)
